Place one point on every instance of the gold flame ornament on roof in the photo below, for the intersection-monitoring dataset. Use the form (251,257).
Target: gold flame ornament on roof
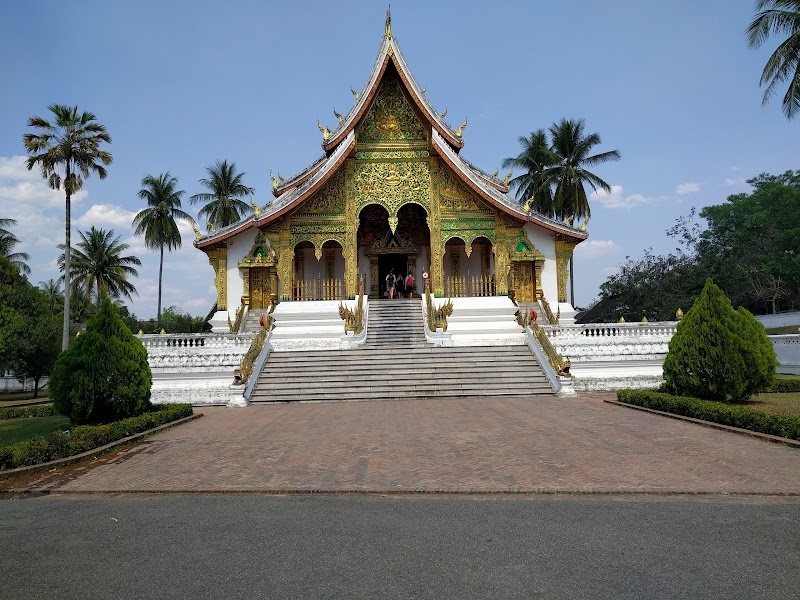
(211,228)
(355,93)
(585,224)
(494,175)
(256,208)
(274,181)
(325,132)
(389,22)
(197,233)
(507,178)
(443,114)
(338,116)
(460,130)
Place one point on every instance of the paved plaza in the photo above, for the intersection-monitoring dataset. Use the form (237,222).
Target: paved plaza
(458,445)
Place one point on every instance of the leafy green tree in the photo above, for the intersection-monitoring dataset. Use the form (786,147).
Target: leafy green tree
(29,332)
(103,376)
(52,290)
(779,18)
(717,353)
(752,243)
(531,185)
(100,266)
(223,204)
(157,221)
(570,173)
(67,151)
(7,243)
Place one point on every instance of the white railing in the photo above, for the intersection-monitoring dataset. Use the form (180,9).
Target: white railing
(612,341)
(195,352)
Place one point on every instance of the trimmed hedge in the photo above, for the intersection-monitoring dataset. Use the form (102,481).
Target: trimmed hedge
(57,445)
(785,386)
(22,412)
(717,412)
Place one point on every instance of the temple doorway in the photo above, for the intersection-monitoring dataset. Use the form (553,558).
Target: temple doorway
(397,263)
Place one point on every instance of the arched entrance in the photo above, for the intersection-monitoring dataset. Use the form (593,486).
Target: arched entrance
(404,251)
(318,273)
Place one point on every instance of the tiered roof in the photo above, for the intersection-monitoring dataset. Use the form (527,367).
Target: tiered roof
(338,144)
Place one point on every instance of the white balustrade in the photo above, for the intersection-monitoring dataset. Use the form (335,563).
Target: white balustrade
(612,341)
(195,352)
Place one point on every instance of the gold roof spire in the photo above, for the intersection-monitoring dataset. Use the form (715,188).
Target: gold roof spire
(389,22)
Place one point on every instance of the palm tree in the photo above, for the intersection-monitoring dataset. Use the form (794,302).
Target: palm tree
(157,222)
(530,185)
(52,289)
(779,17)
(71,143)
(569,174)
(7,242)
(100,266)
(223,206)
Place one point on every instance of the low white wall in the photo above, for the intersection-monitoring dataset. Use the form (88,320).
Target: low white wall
(780,320)
(787,347)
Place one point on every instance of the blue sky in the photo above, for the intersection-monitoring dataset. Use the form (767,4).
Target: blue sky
(179,85)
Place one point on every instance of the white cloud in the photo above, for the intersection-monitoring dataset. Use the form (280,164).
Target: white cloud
(105,216)
(735,181)
(609,271)
(687,188)
(617,198)
(594,248)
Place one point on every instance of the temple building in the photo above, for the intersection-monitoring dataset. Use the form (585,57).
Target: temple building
(391,191)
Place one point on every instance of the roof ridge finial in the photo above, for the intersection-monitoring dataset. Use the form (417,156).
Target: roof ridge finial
(389,22)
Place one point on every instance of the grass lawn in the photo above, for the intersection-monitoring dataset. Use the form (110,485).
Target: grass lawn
(10,396)
(782,330)
(776,404)
(19,430)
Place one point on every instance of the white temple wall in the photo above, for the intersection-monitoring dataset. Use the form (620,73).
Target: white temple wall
(238,247)
(544,241)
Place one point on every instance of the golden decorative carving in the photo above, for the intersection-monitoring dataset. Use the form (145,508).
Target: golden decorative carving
(437,316)
(388,32)
(338,116)
(274,181)
(351,229)
(390,119)
(256,208)
(679,314)
(326,134)
(329,200)
(585,223)
(392,184)
(443,114)
(507,178)
(383,154)
(218,257)
(494,175)
(564,250)
(197,233)
(460,130)
(355,93)
(210,227)
(353,319)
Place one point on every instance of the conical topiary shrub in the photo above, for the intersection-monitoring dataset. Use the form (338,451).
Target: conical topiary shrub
(706,356)
(103,376)
(759,354)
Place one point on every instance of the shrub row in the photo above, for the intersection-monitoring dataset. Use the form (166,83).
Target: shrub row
(785,386)
(86,437)
(21,412)
(717,412)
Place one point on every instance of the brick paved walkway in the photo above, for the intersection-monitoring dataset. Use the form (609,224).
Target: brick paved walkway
(492,445)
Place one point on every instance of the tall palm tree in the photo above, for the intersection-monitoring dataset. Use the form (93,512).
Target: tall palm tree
(157,222)
(531,185)
(100,266)
(67,151)
(7,242)
(52,289)
(223,205)
(779,17)
(572,150)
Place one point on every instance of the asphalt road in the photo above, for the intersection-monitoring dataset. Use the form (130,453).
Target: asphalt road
(253,546)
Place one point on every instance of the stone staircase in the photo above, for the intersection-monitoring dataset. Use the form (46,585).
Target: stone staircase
(397,363)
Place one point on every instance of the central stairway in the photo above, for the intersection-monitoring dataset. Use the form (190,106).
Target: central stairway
(397,363)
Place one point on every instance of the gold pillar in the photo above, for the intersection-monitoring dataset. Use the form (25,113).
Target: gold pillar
(245,285)
(285,260)
(374,284)
(218,257)
(435,227)
(350,237)
(485,270)
(538,265)
(564,251)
